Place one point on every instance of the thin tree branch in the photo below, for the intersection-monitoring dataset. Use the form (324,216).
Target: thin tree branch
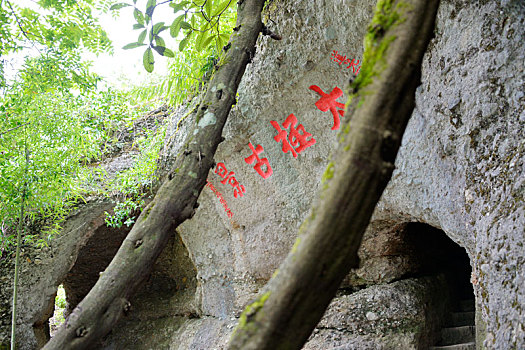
(24,33)
(17,254)
(18,21)
(16,127)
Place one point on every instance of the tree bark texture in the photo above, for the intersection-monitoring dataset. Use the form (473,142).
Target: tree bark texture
(382,100)
(174,202)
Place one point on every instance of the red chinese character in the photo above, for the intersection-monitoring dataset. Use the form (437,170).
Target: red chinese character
(296,136)
(259,162)
(334,54)
(328,102)
(221,170)
(238,189)
(340,58)
(354,64)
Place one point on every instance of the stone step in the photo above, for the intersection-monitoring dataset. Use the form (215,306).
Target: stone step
(466,305)
(465,318)
(458,335)
(464,346)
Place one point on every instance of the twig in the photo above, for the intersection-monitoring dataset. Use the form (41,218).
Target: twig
(17,256)
(24,33)
(164,2)
(16,127)
(17,20)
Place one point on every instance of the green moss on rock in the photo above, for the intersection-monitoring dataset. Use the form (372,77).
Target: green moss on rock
(329,172)
(250,311)
(296,244)
(385,17)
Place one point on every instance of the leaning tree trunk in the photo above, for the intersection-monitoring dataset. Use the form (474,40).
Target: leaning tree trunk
(296,297)
(174,202)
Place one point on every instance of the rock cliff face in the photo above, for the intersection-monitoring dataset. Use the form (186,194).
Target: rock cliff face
(461,166)
(460,170)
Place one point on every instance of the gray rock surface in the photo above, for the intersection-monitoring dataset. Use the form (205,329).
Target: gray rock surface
(461,166)
(400,315)
(41,274)
(460,169)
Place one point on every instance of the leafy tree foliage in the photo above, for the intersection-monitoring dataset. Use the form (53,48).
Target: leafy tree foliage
(56,28)
(64,134)
(51,105)
(204,23)
(187,75)
(201,40)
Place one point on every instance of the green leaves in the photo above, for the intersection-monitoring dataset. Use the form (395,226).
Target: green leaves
(52,25)
(200,23)
(183,43)
(185,25)
(179,6)
(123,213)
(222,39)
(161,50)
(118,6)
(139,17)
(142,36)
(208,7)
(155,41)
(206,42)
(159,41)
(132,46)
(139,43)
(219,9)
(64,134)
(148,60)
(175,26)
(158,28)
(150,7)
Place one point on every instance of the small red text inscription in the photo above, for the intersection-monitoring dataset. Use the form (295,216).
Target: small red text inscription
(222,200)
(343,60)
(238,189)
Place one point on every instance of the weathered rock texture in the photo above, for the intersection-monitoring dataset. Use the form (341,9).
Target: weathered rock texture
(460,169)
(400,315)
(461,166)
(42,272)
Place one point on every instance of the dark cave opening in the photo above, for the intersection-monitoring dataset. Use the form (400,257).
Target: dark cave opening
(392,252)
(93,258)
(436,253)
(167,291)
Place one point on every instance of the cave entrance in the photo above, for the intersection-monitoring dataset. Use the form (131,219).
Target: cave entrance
(58,314)
(51,319)
(438,254)
(93,258)
(170,289)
